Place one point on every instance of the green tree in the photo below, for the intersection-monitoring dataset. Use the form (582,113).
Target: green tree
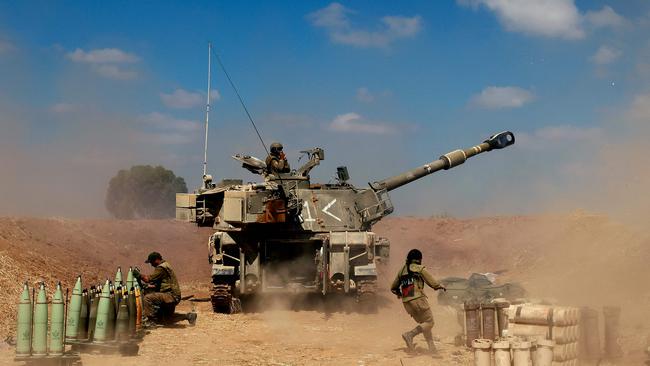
(145,192)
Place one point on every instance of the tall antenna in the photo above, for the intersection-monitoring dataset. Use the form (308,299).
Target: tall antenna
(207,113)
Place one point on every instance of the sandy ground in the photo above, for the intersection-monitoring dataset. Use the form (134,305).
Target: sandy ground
(290,332)
(576,259)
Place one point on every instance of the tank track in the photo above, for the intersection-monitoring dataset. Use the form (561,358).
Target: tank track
(367,296)
(223,301)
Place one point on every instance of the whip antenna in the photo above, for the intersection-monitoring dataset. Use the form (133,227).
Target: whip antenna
(241,101)
(207,113)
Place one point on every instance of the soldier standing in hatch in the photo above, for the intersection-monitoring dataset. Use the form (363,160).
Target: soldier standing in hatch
(166,292)
(277,162)
(409,286)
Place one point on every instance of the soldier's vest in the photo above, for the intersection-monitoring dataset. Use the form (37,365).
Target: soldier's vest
(283,165)
(169,283)
(411,284)
(407,285)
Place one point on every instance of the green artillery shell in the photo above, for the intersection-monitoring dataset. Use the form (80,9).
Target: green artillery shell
(118,277)
(56,326)
(39,339)
(138,308)
(74,307)
(82,331)
(111,317)
(132,311)
(24,329)
(102,317)
(129,279)
(122,322)
(117,297)
(92,314)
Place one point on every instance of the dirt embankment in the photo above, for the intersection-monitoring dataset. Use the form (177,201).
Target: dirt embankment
(577,259)
(51,250)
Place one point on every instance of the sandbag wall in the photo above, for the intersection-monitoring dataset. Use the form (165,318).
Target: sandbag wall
(560,324)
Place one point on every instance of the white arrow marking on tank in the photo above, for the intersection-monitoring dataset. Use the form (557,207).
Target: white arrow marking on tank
(309,218)
(328,207)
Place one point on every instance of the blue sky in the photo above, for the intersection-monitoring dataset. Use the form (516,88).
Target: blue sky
(87,88)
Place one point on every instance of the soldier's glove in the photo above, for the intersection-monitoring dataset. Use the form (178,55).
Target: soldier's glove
(136,273)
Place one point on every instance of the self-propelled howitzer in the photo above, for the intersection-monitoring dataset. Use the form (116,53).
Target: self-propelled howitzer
(287,234)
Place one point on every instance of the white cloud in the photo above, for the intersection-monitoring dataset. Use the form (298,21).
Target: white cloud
(102,56)
(353,122)
(105,62)
(62,107)
(639,109)
(181,98)
(560,134)
(496,97)
(167,122)
(114,72)
(547,18)
(364,95)
(168,130)
(569,133)
(606,17)
(605,55)
(334,18)
(214,95)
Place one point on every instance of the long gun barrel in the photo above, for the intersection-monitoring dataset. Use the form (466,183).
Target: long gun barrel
(447,161)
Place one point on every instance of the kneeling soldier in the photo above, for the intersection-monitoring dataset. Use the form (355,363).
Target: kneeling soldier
(162,293)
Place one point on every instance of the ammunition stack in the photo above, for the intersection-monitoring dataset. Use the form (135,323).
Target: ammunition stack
(522,334)
(32,331)
(557,323)
(590,339)
(513,351)
(485,320)
(104,318)
(571,334)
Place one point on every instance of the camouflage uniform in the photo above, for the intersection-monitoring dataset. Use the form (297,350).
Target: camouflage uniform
(276,164)
(410,287)
(167,292)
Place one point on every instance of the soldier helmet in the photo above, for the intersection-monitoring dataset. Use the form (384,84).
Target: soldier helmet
(414,255)
(152,257)
(276,147)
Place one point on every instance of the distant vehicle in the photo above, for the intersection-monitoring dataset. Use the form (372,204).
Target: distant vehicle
(478,288)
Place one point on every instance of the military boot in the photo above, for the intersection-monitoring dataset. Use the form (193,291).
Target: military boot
(432,348)
(191,318)
(433,351)
(408,337)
